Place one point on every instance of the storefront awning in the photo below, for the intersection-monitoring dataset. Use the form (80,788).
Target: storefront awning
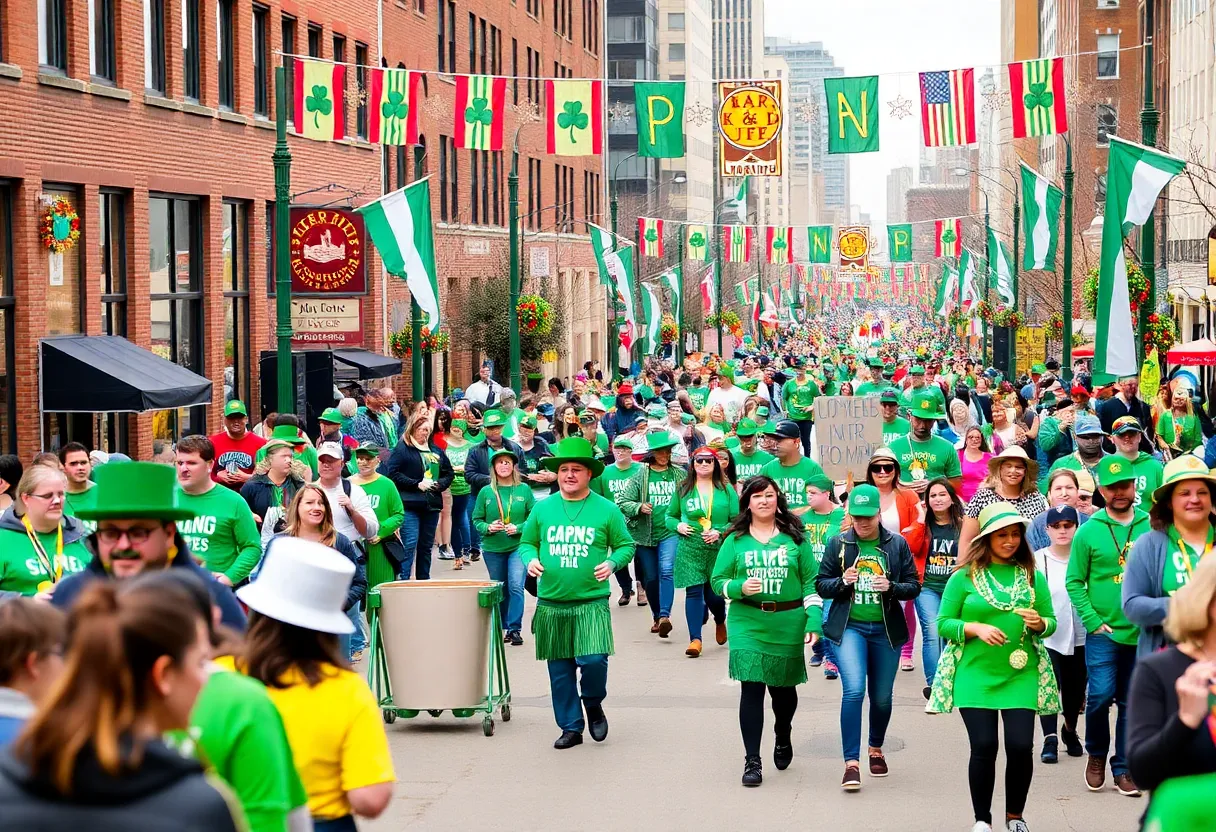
(369,364)
(109,374)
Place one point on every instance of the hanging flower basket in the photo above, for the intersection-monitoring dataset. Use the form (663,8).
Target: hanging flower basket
(957,318)
(1055,326)
(400,343)
(668,330)
(984,311)
(1137,289)
(1005,316)
(1159,333)
(535,315)
(59,227)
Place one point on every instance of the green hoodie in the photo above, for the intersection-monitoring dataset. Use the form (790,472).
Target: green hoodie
(1148,477)
(1095,573)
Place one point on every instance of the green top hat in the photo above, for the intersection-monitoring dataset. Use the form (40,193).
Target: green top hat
(1115,469)
(925,406)
(573,449)
(660,441)
(135,491)
(235,408)
(998,516)
(746,427)
(287,433)
(864,501)
(1187,467)
(494,419)
(331,414)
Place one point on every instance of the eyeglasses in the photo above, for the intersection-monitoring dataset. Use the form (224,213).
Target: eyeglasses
(707,460)
(883,469)
(50,498)
(135,535)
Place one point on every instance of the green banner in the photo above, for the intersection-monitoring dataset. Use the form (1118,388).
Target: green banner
(659,107)
(852,114)
(899,243)
(819,243)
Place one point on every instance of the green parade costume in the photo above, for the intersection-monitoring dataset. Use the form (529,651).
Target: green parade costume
(386,503)
(694,557)
(799,398)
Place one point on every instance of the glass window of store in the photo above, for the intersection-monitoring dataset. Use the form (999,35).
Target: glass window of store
(175,244)
(112,428)
(8,371)
(236,302)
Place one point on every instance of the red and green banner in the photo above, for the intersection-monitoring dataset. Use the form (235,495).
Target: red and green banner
(480,101)
(779,244)
(1037,89)
(737,241)
(650,236)
(320,101)
(392,107)
(575,117)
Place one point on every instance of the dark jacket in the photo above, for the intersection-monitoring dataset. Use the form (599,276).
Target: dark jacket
(258,493)
(1114,408)
(623,418)
(841,553)
(167,792)
(477,464)
(343,546)
(73,529)
(67,590)
(404,467)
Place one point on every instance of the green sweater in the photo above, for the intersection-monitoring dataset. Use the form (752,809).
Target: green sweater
(657,488)
(390,513)
(20,568)
(1095,573)
(788,571)
(517,502)
(571,538)
(799,398)
(1180,432)
(749,465)
(984,678)
(222,532)
(792,479)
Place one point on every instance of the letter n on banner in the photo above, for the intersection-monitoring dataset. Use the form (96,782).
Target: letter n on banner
(852,114)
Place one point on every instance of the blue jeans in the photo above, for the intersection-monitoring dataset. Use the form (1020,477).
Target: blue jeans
(358,639)
(696,600)
(508,568)
(474,535)
(564,690)
(864,654)
(1109,665)
(927,605)
(461,512)
(657,564)
(824,648)
(417,536)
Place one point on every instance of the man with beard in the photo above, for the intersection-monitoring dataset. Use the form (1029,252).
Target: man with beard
(136,513)
(236,448)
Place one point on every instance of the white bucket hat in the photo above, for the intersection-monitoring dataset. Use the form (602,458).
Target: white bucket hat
(302,583)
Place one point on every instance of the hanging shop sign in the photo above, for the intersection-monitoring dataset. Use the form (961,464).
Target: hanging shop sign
(854,247)
(749,128)
(328,322)
(327,252)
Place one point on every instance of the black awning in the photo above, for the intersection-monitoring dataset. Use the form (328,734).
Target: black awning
(369,364)
(109,374)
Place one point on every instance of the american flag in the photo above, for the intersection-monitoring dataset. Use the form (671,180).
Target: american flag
(947,107)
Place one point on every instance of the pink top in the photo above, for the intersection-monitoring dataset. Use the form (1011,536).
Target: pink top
(973,475)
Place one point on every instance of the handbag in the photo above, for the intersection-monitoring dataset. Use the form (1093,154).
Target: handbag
(394,551)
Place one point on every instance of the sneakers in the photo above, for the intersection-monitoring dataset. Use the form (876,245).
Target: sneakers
(816,660)
(720,632)
(446,553)
(515,638)
(664,629)
(597,723)
(568,739)
(926,692)
(980,826)
(906,665)
(1126,786)
(830,670)
(753,774)
(475,555)
(783,754)
(1016,825)
(694,648)
(1095,773)
(878,765)
(1051,750)
(851,781)
(1072,742)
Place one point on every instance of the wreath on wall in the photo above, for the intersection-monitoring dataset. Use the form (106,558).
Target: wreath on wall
(60,226)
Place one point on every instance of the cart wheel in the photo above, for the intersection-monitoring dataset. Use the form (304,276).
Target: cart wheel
(390,716)
(487,726)
(434,713)
(506,713)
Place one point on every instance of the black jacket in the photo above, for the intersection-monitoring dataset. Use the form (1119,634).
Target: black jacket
(166,793)
(1114,408)
(477,464)
(404,467)
(841,553)
(623,418)
(258,493)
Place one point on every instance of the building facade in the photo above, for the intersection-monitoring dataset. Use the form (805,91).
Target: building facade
(899,181)
(686,54)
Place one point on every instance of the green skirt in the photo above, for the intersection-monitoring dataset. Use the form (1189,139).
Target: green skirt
(694,561)
(379,570)
(778,671)
(566,631)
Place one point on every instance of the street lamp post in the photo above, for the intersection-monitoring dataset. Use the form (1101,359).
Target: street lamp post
(419,388)
(1149,118)
(282,232)
(613,325)
(1012,365)
(1068,186)
(513,236)
(987,272)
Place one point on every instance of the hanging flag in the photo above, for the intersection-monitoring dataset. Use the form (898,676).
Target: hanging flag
(400,227)
(650,236)
(899,242)
(819,243)
(320,105)
(737,240)
(392,107)
(948,237)
(709,289)
(946,292)
(947,107)
(852,114)
(747,291)
(738,203)
(1040,220)
(696,242)
(480,101)
(1135,177)
(619,264)
(602,244)
(1037,90)
(673,281)
(659,108)
(969,294)
(1000,268)
(652,314)
(779,244)
(575,117)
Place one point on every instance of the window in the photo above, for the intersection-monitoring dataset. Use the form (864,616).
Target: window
(481,48)
(101,40)
(8,360)
(65,289)
(514,71)
(420,6)
(53,34)
(261,76)
(1108,4)
(495,50)
(1108,123)
(449,180)
(339,56)
(314,41)
(533,8)
(190,47)
(473,42)
(675,51)
(361,90)
(627,70)
(236,302)
(175,252)
(227,71)
(447,35)
(534,194)
(675,21)
(627,29)
(287,35)
(113,229)
(1108,56)
(1100,191)
(154,45)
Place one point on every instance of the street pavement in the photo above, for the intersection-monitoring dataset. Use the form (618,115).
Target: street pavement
(673,757)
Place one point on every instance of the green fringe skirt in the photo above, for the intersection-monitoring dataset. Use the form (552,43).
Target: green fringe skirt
(566,631)
(754,666)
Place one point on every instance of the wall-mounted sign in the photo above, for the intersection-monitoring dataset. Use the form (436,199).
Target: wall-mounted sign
(749,128)
(538,265)
(327,252)
(336,322)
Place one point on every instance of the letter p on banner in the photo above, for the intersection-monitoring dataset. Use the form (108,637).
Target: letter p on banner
(852,114)
(899,243)
(659,111)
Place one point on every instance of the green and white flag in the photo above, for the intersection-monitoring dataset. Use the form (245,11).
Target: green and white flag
(947,292)
(602,246)
(400,227)
(819,243)
(659,107)
(1135,177)
(653,313)
(738,203)
(852,114)
(673,281)
(899,242)
(1040,220)
(620,270)
(1001,268)
(967,271)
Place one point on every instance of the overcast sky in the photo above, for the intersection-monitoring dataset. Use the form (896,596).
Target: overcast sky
(895,39)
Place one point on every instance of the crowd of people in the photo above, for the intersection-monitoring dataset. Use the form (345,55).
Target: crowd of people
(169,634)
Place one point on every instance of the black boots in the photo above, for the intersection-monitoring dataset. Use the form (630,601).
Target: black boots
(752,774)
(1051,750)
(568,739)
(597,723)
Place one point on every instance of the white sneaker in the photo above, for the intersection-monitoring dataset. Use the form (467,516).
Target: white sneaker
(980,826)
(1016,825)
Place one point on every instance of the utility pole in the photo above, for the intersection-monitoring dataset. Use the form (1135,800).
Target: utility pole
(419,387)
(282,233)
(1149,118)
(1068,186)
(513,236)
(717,232)
(679,301)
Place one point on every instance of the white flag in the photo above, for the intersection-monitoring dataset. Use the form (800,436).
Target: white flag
(1040,220)
(653,313)
(1001,268)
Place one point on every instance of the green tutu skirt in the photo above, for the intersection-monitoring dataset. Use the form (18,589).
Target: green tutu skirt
(694,561)
(778,671)
(566,631)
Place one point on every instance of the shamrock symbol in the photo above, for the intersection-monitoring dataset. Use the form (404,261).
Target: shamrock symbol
(479,113)
(651,235)
(1038,96)
(778,244)
(319,104)
(573,118)
(948,236)
(395,107)
(696,240)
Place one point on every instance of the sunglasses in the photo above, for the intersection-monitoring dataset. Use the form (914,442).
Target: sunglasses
(708,460)
(882,469)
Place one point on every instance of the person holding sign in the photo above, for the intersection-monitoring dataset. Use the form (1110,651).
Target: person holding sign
(921,455)
(704,506)
(40,545)
(565,545)
(766,568)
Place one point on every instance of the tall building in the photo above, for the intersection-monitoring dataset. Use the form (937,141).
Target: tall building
(738,54)
(685,54)
(774,193)
(633,54)
(899,181)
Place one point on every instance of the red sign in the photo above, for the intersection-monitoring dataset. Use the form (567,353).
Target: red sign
(327,252)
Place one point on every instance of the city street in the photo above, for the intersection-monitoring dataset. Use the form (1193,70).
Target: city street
(673,758)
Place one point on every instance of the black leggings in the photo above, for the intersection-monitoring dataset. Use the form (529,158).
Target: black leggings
(804,431)
(1071,677)
(1019,758)
(751,713)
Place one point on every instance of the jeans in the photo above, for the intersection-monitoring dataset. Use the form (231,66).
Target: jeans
(927,605)
(696,600)
(564,691)
(804,430)
(1109,665)
(417,536)
(474,535)
(1071,678)
(461,539)
(824,648)
(358,639)
(508,568)
(346,823)
(624,581)
(657,564)
(864,654)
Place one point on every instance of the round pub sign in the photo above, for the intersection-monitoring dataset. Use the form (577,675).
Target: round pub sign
(750,118)
(327,255)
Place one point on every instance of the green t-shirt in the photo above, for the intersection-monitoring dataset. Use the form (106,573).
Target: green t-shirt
(386,503)
(820,528)
(787,571)
(870,388)
(799,398)
(905,400)
(792,479)
(830,388)
(571,538)
(867,601)
(307,455)
(1094,578)
(457,456)
(1180,561)
(513,504)
(661,489)
(749,465)
(612,482)
(1148,473)
(920,461)
(897,427)
(699,394)
(21,570)
(222,532)
(73,503)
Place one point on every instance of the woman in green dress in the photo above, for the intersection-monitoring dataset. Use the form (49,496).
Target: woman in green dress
(766,568)
(994,613)
(1178,430)
(704,506)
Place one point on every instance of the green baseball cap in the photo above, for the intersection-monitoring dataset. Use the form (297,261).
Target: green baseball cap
(917,370)
(769,428)
(331,415)
(925,406)
(1114,469)
(875,362)
(494,419)
(235,408)
(1038,369)
(622,442)
(822,481)
(528,421)
(645,392)
(864,501)
(367,449)
(762,411)
(746,427)
(889,396)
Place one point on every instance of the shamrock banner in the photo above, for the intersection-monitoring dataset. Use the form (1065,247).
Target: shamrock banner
(779,244)
(819,240)
(479,111)
(1037,88)
(696,242)
(852,114)
(392,111)
(899,242)
(320,106)
(948,237)
(650,236)
(737,240)
(659,110)
(575,117)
